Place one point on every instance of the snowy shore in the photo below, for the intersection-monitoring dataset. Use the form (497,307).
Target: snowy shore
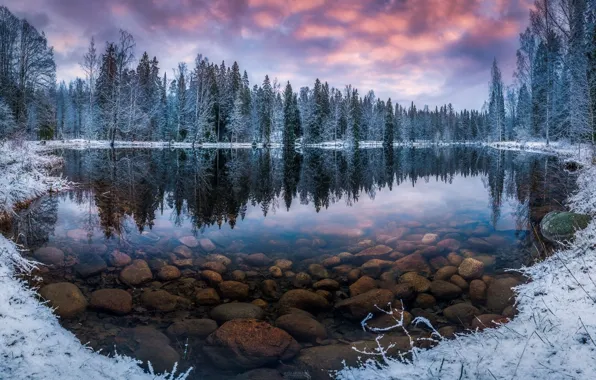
(554,334)
(33,345)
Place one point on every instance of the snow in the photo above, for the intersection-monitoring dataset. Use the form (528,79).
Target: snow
(554,334)
(33,345)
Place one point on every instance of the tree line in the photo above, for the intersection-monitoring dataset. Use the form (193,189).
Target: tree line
(124,97)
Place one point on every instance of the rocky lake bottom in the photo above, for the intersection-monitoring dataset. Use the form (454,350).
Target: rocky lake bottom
(243,288)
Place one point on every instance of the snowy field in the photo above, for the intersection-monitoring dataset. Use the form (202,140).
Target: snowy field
(553,337)
(554,334)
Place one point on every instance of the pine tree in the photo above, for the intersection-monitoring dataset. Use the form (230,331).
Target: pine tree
(289,136)
(388,136)
(497,102)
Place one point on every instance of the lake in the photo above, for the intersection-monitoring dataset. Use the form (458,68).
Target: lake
(157,240)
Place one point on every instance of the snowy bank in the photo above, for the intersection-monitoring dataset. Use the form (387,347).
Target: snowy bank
(33,345)
(552,337)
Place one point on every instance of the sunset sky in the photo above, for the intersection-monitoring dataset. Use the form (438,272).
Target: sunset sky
(428,51)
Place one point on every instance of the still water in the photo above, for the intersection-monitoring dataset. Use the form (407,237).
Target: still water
(178,230)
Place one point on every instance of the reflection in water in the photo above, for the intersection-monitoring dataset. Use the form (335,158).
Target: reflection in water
(422,210)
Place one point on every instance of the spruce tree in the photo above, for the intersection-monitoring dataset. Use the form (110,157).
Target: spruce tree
(389,124)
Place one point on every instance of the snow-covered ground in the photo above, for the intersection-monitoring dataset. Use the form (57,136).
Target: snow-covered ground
(554,334)
(33,345)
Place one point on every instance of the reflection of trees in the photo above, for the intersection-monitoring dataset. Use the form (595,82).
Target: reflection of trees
(216,186)
(36,223)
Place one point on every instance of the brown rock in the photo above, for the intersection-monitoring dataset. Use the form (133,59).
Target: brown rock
(444,290)
(236,310)
(49,255)
(248,343)
(462,313)
(116,301)
(478,291)
(374,267)
(488,321)
(258,260)
(459,281)
(183,251)
(275,272)
(385,321)
(445,273)
(65,298)
(270,289)
(471,269)
(214,266)
(302,280)
(317,271)
(454,259)
(331,262)
(213,278)
(376,252)
(136,273)
(238,275)
(363,285)
(226,261)
(413,263)
(284,264)
(119,259)
(404,291)
(303,299)
(326,284)
(354,274)
(189,241)
(168,273)
(420,284)
(359,306)
(480,244)
(234,290)
(207,296)
(500,294)
(192,328)
(159,300)
(450,244)
(207,245)
(302,328)
(425,301)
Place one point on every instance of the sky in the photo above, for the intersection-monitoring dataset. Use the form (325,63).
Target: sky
(431,52)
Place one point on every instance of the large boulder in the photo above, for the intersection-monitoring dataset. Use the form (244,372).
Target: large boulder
(363,285)
(116,301)
(303,299)
(471,269)
(136,273)
(359,307)
(561,225)
(236,310)
(65,297)
(462,313)
(248,343)
(301,327)
(500,294)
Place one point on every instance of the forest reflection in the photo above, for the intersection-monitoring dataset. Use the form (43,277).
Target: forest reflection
(215,187)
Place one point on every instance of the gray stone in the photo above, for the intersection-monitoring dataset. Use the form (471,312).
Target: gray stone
(561,225)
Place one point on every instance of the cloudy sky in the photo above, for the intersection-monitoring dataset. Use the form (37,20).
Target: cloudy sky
(428,51)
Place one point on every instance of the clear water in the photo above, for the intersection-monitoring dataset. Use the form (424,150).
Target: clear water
(303,206)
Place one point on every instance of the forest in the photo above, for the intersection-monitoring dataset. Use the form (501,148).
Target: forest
(125,95)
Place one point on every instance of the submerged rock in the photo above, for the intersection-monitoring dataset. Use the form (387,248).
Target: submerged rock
(49,255)
(303,299)
(248,343)
(561,225)
(89,265)
(236,310)
(196,328)
(359,307)
(116,301)
(65,297)
(301,327)
(136,273)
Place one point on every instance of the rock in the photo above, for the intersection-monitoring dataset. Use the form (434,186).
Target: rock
(207,296)
(275,272)
(413,263)
(374,267)
(192,328)
(326,284)
(487,321)
(444,290)
(238,275)
(359,306)
(212,277)
(385,321)
(189,241)
(450,244)
(248,343)
(447,332)
(283,264)
(331,262)
(454,259)
(258,260)
(49,255)
(119,259)
(346,257)
(461,313)
(438,262)
(90,264)
(471,269)
(260,303)
(500,294)
(376,252)
(302,280)
(425,301)
(317,271)
(429,238)
(445,273)
(116,301)
(302,328)
(270,289)
(159,300)
(303,299)
(420,284)
(480,244)
(236,310)
(260,374)
(363,285)
(183,251)
(459,281)
(319,360)
(477,291)
(354,274)
(216,257)
(214,266)
(65,298)
(430,252)
(162,356)
(136,273)
(404,291)
(168,273)
(207,245)
(561,225)
(234,290)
